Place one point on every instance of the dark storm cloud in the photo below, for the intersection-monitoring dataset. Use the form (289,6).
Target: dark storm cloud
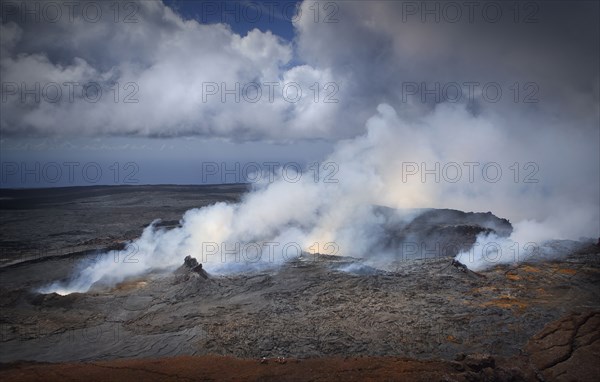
(380,48)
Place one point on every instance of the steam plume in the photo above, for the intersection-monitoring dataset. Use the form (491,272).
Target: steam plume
(339,217)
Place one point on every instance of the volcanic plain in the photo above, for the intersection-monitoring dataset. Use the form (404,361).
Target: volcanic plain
(316,317)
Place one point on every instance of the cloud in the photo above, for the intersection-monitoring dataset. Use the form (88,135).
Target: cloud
(358,56)
(159,76)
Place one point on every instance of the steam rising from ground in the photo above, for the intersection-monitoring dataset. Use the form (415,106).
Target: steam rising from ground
(277,221)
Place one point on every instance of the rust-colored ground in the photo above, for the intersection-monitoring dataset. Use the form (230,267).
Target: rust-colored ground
(214,368)
(565,350)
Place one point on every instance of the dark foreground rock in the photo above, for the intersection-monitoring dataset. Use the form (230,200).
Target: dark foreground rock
(306,308)
(568,349)
(565,350)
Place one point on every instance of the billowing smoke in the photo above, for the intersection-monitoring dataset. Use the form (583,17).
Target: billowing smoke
(489,112)
(447,159)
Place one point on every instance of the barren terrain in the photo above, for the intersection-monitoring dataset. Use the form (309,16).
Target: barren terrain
(322,316)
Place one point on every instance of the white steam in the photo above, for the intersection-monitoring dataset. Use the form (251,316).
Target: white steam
(277,221)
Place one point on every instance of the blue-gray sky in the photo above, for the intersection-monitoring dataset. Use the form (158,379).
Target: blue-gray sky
(242,16)
(168,71)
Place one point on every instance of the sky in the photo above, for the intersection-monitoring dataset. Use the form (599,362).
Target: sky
(153,92)
(242,16)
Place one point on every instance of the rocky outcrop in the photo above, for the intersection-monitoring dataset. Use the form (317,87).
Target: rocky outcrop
(438,232)
(192,264)
(568,349)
